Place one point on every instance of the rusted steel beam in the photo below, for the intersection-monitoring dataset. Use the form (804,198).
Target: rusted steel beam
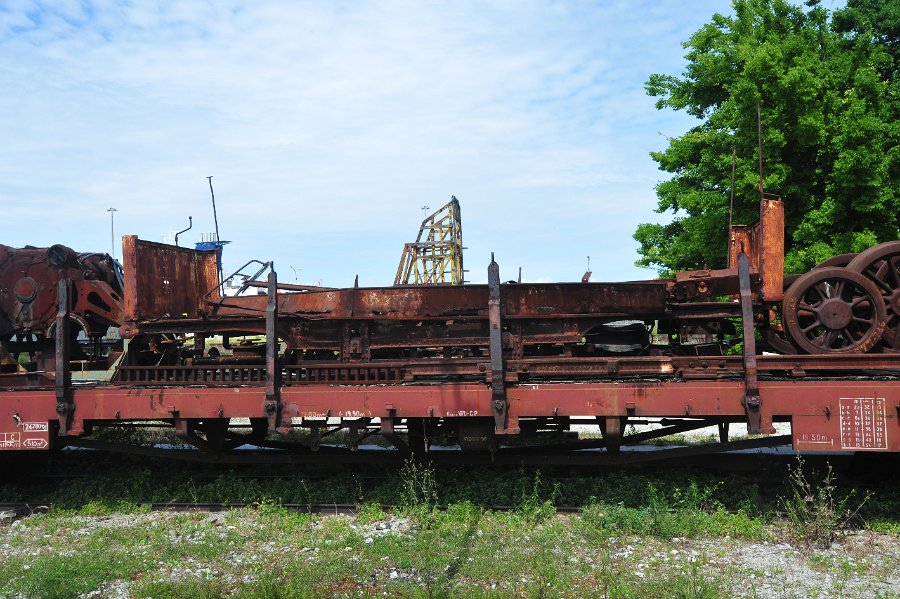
(705,285)
(273,405)
(547,369)
(756,421)
(289,286)
(530,301)
(495,324)
(63,382)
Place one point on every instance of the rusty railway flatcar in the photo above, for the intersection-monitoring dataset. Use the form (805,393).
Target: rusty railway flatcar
(475,364)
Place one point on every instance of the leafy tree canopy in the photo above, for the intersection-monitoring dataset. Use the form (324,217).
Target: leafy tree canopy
(830,97)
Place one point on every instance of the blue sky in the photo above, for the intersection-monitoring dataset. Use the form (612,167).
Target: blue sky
(328,125)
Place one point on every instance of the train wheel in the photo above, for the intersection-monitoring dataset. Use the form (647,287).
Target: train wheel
(881,265)
(839,260)
(778,343)
(834,310)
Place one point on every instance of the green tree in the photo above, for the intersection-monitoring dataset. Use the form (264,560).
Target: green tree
(828,90)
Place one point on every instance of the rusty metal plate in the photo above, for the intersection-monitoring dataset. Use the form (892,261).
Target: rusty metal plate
(164,281)
(771,249)
(763,242)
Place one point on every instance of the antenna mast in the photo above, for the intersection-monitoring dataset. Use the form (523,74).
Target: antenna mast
(215,217)
(759,140)
(731,202)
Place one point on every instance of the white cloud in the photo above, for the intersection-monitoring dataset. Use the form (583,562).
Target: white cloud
(327,125)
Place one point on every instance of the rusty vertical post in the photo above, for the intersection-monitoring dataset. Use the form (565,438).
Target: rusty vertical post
(762,192)
(498,383)
(723,432)
(273,396)
(756,423)
(200,345)
(731,204)
(611,427)
(770,249)
(64,406)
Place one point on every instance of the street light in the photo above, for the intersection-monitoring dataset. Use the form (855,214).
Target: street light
(112,231)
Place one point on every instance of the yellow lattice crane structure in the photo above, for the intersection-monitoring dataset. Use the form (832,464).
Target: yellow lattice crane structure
(436,256)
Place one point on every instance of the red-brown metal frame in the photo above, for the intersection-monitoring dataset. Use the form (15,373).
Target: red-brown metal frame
(825,415)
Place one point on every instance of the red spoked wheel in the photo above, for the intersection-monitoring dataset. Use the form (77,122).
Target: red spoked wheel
(881,265)
(839,260)
(834,310)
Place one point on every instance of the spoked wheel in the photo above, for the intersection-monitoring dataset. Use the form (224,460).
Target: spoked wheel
(777,342)
(834,310)
(839,260)
(881,265)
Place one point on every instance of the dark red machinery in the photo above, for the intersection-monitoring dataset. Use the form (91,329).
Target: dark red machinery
(29,287)
(477,362)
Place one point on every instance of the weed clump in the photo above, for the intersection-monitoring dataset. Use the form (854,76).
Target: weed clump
(690,511)
(369,513)
(818,514)
(418,490)
(532,506)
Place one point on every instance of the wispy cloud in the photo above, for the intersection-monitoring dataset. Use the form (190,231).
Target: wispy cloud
(327,125)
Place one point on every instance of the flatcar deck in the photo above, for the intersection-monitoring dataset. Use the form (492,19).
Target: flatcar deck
(854,409)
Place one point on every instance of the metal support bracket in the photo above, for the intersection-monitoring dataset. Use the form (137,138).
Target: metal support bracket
(723,432)
(273,404)
(757,423)
(64,406)
(354,436)
(612,428)
(499,400)
(388,432)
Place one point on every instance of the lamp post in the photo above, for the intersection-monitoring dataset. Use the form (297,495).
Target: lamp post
(112,231)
